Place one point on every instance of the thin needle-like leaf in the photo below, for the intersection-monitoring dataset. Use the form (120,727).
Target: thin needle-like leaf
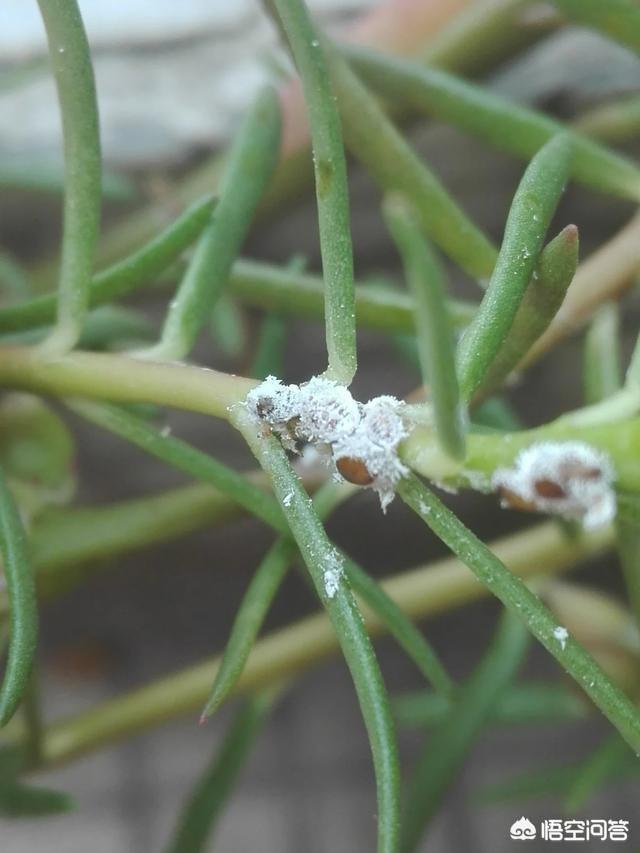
(331,186)
(202,810)
(248,620)
(549,781)
(395,167)
(17,800)
(601,765)
(123,277)
(520,704)
(22,602)
(255,604)
(73,72)
(435,337)
(269,356)
(516,596)
(533,206)
(288,292)
(542,299)
(326,568)
(506,125)
(186,458)
(400,627)
(251,163)
(628,546)
(448,746)
(602,375)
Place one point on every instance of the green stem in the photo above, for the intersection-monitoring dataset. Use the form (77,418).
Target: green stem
(516,596)
(257,284)
(122,379)
(332,193)
(293,293)
(421,592)
(71,64)
(67,545)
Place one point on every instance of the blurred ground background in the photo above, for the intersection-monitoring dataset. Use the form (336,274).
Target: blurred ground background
(173,80)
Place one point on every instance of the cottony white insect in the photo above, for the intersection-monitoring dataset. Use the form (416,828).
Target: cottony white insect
(567,478)
(562,635)
(325,415)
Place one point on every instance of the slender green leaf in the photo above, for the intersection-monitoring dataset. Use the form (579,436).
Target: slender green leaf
(186,458)
(65,540)
(18,800)
(395,167)
(619,19)
(326,569)
(445,751)
(228,326)
(435,337)
(519,704)
(533,206)
(495,413)
(22,602)
(331,186)
(116,281)
(12,761)
(601,355)
(251,162)
(256,602)
(257,284)
(548,781)
(114,327)
(73,72)
(13,278)
(400,627)
(601,766)
(269,356)
(506,125)
(628,546)
(542,299)
(248,620)
(516,596)
(207,800)
(632,376)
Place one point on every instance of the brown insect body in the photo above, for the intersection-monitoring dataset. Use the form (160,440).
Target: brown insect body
(354,471)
